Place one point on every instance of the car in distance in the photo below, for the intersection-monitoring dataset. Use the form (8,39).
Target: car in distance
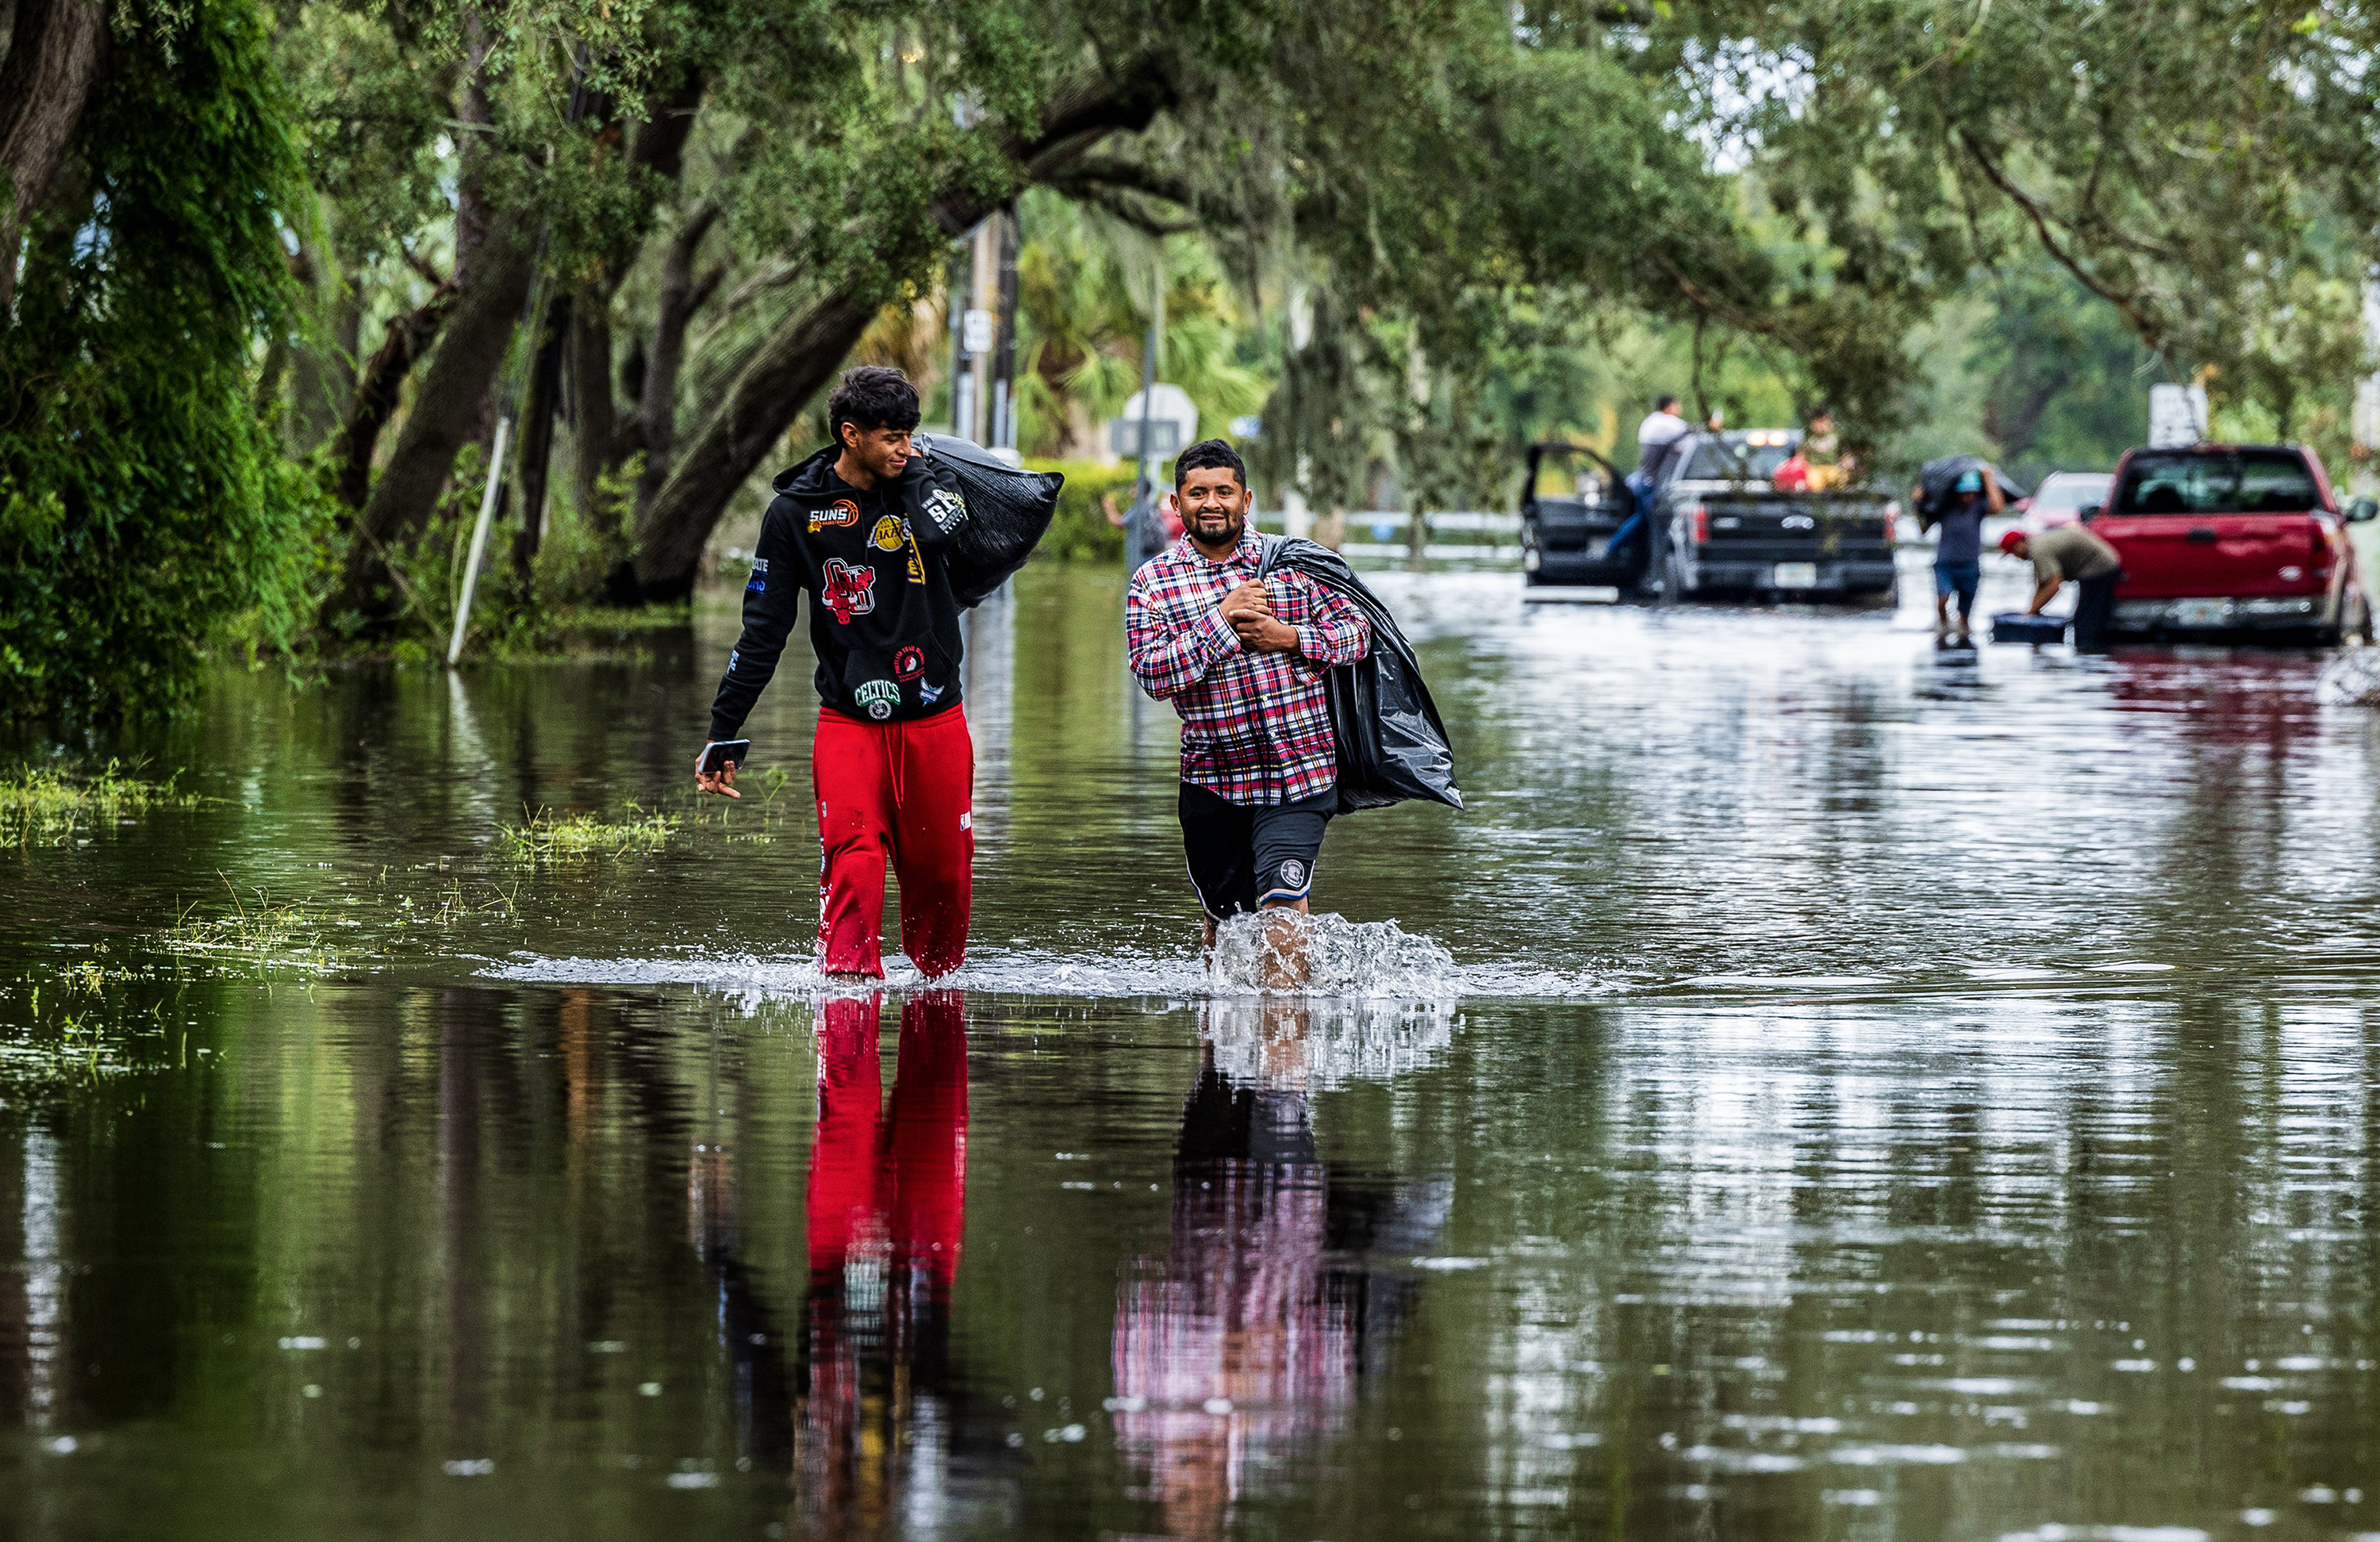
(2061,498)
(1720,525)
(2233,538)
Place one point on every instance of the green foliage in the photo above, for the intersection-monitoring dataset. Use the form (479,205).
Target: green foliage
(2207,171)
(145,513)
(1083,291)
(1080,532)
(44,806)
(548,836)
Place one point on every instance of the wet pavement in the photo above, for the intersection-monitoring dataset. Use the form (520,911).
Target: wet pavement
(1820,1088)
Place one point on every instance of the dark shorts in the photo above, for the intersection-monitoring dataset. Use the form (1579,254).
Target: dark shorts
(1960,578)
(1244,858)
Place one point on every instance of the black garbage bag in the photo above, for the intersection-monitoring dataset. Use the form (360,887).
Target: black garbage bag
(1938,477)
(1008,511)
(1392,744)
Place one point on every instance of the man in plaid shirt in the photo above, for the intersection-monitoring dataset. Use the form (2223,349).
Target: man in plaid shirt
(1242,659)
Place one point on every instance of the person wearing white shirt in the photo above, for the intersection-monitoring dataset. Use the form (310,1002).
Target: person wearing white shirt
(1656,436)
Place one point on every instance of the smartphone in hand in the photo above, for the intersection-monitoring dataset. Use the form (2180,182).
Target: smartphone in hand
(718,756)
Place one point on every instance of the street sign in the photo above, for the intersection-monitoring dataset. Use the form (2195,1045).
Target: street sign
(1164,437)
(2177,416)
(975,331)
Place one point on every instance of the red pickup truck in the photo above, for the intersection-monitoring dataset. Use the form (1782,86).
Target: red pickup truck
(2233,537)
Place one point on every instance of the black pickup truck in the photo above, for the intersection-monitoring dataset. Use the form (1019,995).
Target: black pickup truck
(1720,525)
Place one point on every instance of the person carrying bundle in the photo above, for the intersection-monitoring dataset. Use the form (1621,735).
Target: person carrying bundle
(1959,516)
(1241,660)
(885,535)
(1300,700)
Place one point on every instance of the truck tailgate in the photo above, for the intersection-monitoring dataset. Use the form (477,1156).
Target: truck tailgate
(2171,556)
(1774,528)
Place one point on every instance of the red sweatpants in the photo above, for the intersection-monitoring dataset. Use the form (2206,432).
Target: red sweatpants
(903,790)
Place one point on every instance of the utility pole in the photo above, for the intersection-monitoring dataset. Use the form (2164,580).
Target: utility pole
(954,296)
(1003,351)
(1138,546)
(991,330)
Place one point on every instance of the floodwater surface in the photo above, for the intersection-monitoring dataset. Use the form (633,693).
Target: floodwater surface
(1820,1087)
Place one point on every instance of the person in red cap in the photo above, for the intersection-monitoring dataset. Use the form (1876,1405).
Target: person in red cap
(2065,552)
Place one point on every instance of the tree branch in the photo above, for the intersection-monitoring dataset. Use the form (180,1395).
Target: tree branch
(1115,171)
(56,50)
(2149,332)
(804,350)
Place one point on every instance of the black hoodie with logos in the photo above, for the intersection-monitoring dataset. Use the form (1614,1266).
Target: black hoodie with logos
(883,620)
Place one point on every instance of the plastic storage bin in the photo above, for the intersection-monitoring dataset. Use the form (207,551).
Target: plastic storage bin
(2017,626)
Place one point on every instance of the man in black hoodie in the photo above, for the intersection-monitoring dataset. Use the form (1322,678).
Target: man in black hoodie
(861,528)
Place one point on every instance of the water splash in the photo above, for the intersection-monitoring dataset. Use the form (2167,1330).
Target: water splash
(1342,958)
(1352,961)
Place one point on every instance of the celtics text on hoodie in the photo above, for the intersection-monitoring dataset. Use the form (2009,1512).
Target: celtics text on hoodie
(883,619)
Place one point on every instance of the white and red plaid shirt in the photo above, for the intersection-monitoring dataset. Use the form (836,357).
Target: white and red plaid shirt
(1256,727)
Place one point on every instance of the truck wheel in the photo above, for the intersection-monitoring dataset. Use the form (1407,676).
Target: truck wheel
(2357,622)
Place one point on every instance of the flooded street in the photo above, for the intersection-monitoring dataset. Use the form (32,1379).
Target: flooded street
(1818,1088)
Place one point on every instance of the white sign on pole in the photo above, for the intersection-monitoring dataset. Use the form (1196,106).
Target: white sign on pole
(2177,416)
(1172,423)
(976,332)
(1124,438)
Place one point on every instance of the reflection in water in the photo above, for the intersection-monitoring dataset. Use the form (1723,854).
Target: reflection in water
(32,1309)
(887,1206)
(1242,1348)
(1891,1101)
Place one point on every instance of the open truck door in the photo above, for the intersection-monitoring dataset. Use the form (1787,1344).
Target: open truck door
(1571,504)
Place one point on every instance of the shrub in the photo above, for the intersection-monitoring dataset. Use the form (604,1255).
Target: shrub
(1080,532)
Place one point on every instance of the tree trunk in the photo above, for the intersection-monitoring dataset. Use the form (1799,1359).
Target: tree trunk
(601,442)
(377,388)
(475,212)
(57,49)
(782,376)
(806,348)
(478,335)
(537,436)
(681,297)
(595,420)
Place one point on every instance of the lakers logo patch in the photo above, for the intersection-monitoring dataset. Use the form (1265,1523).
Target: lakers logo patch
(889,535)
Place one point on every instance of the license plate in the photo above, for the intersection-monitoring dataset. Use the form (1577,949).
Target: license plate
(1796,574)
(2201,612)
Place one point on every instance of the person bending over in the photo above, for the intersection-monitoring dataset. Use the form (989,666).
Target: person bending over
(861,528)
(2065,552)
(1242,659)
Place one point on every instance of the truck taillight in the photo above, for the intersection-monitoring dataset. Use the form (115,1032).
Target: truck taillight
(1702,523)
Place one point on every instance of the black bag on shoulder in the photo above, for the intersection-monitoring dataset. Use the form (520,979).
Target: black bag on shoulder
(1392,746)
(1008,511)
